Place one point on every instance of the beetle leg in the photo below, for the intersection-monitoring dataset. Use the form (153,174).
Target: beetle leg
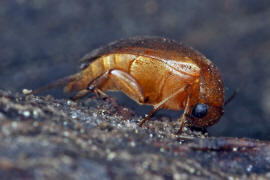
(80,94)
(160,104)
(84,92)
(116,79)
(149,115)
(183,117)
(99,92)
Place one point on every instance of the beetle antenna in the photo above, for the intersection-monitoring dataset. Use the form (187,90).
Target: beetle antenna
(231,97)
(55,84)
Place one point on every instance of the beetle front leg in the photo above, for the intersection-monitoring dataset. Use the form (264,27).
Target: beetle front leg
(183,118)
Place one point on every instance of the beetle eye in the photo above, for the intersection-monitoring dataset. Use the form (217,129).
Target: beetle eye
(200,110)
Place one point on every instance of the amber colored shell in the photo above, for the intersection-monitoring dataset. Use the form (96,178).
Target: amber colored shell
(161,67)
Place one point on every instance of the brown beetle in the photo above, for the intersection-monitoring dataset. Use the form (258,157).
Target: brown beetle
(154,71)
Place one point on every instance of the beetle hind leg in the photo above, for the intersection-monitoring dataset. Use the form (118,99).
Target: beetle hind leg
(94,86)
(80,94)
(116,79)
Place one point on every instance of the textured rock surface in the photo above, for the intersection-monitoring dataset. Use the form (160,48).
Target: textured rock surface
(47,138)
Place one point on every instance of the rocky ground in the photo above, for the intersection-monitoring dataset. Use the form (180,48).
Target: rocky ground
(47,138)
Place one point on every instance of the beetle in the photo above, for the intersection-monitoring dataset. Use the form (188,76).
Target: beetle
(154,71)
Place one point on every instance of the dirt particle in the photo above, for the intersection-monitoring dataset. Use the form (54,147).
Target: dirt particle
(132,144)
(26,114)
(111,156)
(26,91)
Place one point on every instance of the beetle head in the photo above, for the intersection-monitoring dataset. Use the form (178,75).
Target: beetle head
(203,115)
(209,107)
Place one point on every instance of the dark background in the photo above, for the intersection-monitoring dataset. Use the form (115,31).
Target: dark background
(41,41)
